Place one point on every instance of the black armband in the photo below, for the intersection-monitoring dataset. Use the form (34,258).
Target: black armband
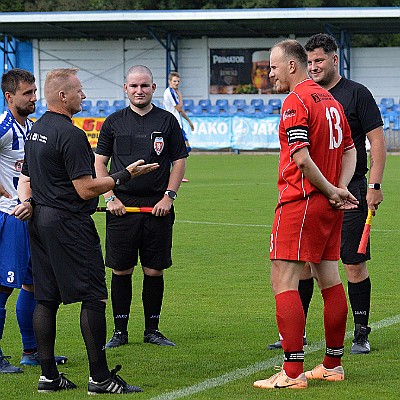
(121,177)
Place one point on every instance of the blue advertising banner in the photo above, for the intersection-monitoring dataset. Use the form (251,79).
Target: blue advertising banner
(236,132)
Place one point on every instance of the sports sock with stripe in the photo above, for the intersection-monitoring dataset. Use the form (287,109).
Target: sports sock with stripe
(290,319)
(335,317)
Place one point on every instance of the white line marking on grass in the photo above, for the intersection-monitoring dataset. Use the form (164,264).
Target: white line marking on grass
(251,369)
(223,223)
(263,225)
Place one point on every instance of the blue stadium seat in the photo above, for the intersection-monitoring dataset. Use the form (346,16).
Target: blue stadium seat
(119,104)
(86,104)
(102,104)
(396,124)
(187,103)
(196,110)
(39,111)
(382,108)
(386,121)
(396,108)
(239,103)
(257,103)
(275,103)
(232,109)
(204,104)
(267,109)
(387,102)
(107,111)
(222,104)
(93,111)
(156,102)
(249,110)
(213,110)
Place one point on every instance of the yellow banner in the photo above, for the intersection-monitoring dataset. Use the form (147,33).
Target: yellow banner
(92,126)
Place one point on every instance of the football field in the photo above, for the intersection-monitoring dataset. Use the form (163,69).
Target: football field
(218,306)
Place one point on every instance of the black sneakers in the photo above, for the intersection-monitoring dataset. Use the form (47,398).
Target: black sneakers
(360,342)
(60,383)
(115,384)
(119,338)
(156,337)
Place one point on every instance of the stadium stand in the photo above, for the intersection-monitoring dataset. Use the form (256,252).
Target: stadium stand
(119,104)
(240,104)
(276,104)
(387,102)
(187,103)
(102,104)
(222,104)
(204,103)
(258,104)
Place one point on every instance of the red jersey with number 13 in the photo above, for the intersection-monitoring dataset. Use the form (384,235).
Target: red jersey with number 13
(311,117)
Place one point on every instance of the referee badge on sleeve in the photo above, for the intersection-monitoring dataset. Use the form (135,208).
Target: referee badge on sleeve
(158,144)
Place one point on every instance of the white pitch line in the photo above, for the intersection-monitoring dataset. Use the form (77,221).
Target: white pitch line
(262,225)
(223,223)
(251,369)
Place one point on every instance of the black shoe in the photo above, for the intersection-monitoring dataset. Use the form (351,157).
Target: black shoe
(118,339)
(156,337)
(278,344)
(115,384)
(60,383)
(361,343)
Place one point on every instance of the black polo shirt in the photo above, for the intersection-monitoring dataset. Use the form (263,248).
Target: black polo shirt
(362,114)
(57,152)
(155,137)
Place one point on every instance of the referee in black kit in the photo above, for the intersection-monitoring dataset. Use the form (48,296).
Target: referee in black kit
(152,134)
(58,173)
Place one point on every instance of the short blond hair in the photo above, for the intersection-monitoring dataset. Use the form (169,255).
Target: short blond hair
(56,80)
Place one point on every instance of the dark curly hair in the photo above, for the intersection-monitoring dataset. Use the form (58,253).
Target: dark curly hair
(11,80)
(322,40)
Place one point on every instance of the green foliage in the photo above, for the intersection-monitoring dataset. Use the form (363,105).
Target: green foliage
(219,307)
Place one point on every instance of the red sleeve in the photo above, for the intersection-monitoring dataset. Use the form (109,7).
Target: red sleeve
(295,122)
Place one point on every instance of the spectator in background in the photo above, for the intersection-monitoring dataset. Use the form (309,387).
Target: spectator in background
(174,104)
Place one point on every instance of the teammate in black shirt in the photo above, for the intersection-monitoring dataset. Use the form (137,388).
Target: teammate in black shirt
(150,133)
(58,178)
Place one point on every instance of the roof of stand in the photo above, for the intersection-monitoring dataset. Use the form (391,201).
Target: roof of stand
(260,22)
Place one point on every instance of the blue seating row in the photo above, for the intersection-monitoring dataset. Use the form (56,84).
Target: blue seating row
(238,105)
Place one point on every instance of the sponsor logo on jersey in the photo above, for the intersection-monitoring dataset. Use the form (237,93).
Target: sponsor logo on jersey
(158,145)
(18,165)
(317,97)
(288,114)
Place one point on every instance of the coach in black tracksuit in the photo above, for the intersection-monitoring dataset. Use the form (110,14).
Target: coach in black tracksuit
(150,133)
(58,172)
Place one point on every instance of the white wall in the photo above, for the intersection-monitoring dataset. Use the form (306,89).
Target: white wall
(103,65)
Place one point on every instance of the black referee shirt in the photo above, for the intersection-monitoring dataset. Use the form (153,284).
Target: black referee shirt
(57,152)
(362,114)
(154,137)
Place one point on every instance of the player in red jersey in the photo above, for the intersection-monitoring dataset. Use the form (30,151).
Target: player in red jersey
(317,161)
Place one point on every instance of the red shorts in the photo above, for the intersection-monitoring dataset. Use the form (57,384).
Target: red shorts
(306,230)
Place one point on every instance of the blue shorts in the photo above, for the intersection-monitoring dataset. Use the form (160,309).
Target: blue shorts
(15,255)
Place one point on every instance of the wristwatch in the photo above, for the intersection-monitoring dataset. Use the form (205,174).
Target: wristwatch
(171,194)
(376,186)
(28,200)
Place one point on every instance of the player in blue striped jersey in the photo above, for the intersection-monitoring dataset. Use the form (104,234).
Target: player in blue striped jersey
(19,90)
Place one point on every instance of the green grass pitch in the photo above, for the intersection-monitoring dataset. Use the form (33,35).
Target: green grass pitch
(219,306)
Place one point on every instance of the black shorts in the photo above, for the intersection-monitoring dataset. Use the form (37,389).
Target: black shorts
(66,256)
(141,235)
(353,225)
